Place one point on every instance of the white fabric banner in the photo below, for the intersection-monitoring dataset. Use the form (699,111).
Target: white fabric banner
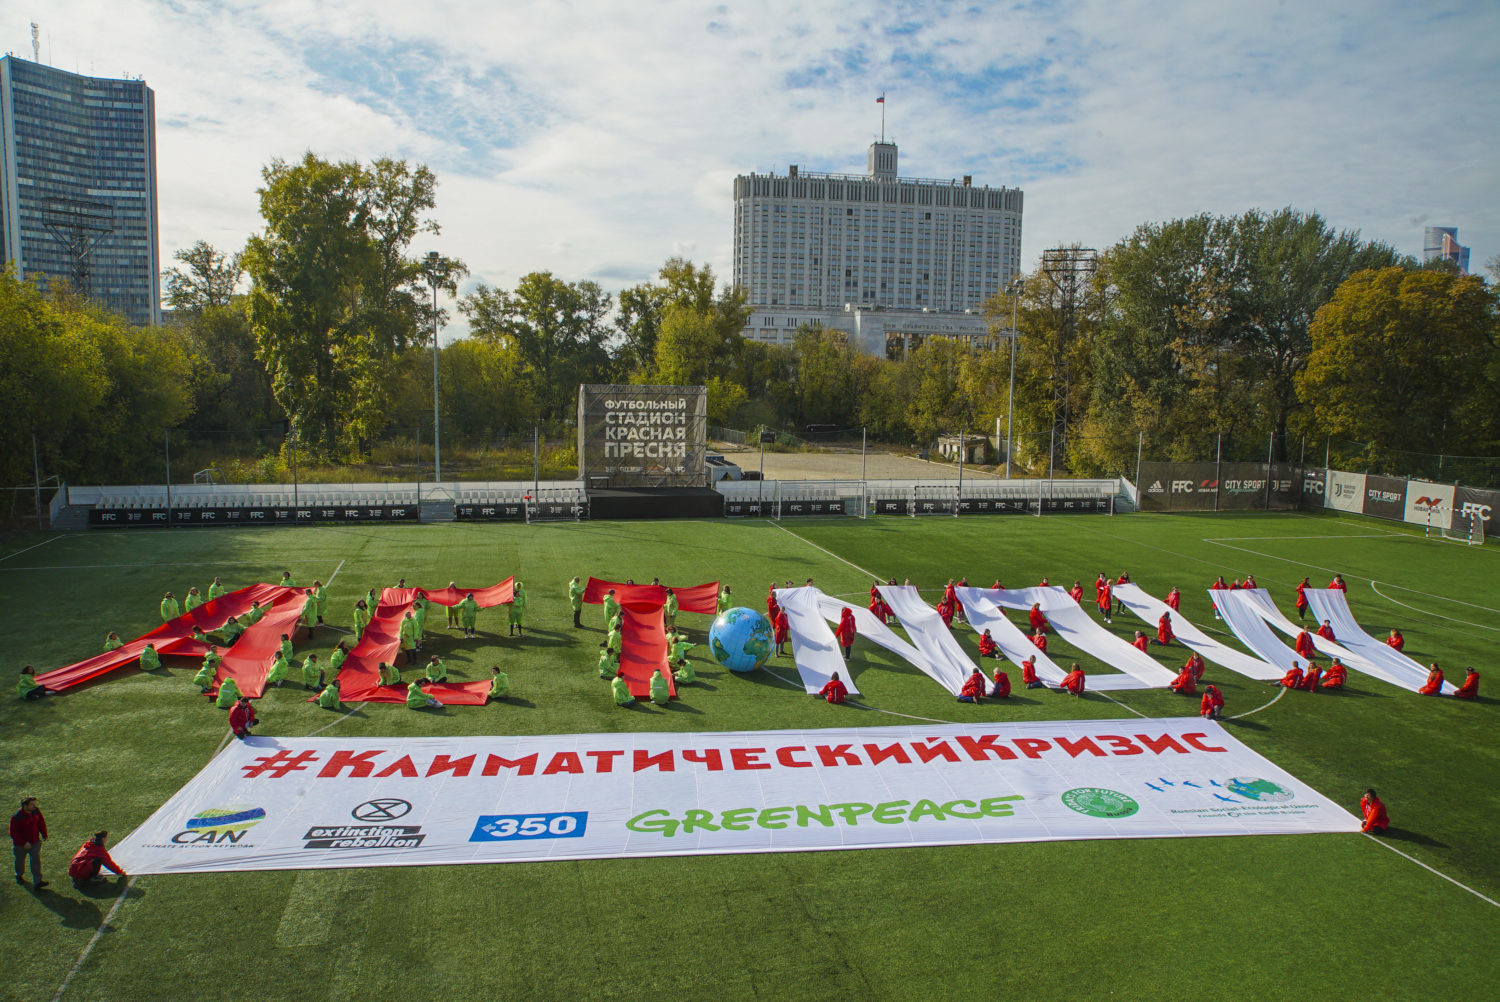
(1244,620)
(874,631)
(814,647)
(949,663)
(1345,491)
(1017,646)
(1072,624)
(1260,600)
(310,803)
(1150,610)
(1377,658)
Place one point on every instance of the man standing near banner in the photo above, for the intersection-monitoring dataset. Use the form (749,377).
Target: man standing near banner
(517,610)
(1302,599)
(1106,600)
(468,611)
(845,632)
(452,609)
(575,598)
(28,830)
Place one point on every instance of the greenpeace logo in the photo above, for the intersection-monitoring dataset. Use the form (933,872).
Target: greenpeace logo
(1389,497)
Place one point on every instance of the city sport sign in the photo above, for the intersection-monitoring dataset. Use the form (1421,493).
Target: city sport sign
(643,436)
(309,803)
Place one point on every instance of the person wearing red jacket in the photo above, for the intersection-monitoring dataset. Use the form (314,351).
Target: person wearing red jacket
(1302,598)
(1124,578)
(1037,618)
(1174,599)
(834,691)
(28,830)
(997,586)
(1470,688)
(1338,582)
(242,717)
(987,646)
(1249,582)
(1076,592)
(1312,676)
(1142,642)
(1164,634)
(1326,630)
(945,612)
(783,630)
(1218,585)
(1196,665)
(1212,703)
(1002,685)
(1376,819)
(973,690)
(771,604)
(1040,640)
(1395,641)
(845,632)
(1434,684)
(1304,645)
(1293,677)
(877,607)
(1336,675)
(90,859)
(1100,583)
(1073,682)
(1184,684)
(1106,602)
(1028,675)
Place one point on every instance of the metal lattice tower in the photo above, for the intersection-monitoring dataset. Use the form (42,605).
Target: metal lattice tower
(78,224)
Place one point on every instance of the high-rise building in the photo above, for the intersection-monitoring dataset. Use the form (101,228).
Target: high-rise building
(1441,243)
(884,258)
(78,183)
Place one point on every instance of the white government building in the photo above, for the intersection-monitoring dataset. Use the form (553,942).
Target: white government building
(888,260)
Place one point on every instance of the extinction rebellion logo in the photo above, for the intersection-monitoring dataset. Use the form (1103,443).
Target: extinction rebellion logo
(1098,802)
(369,836)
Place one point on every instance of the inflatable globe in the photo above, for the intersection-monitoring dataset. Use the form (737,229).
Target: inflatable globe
(740,639)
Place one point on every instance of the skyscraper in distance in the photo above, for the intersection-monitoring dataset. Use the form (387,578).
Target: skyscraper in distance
(78,181)
(1441,243)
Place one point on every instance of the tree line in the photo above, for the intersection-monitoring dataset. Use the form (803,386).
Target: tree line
(1243,329)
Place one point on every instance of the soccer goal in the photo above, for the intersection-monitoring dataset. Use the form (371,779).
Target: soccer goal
(1461,528)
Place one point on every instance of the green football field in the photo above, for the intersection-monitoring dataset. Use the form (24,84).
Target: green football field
(1311,916)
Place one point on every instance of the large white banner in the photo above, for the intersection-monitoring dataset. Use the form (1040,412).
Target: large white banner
(1345,491)
(306,803)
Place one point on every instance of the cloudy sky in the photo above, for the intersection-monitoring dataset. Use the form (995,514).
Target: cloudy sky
(595,139)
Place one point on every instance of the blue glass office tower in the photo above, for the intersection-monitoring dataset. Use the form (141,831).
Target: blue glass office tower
(80,153)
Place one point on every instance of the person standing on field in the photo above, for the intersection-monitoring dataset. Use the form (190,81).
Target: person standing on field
(28,830)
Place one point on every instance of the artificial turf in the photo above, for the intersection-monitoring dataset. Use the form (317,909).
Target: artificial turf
(1315,916)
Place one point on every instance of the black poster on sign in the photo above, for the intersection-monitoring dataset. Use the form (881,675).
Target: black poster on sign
(105,518)
(1472,502)
(1314,484)
(1385,497)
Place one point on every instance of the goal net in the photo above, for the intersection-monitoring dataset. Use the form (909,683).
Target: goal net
(1461,528)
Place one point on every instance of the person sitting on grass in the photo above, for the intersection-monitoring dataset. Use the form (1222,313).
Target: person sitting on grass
(1028,674)
(1196,665)
(229,691)
(1326,631)
(328,699)
(150,660)
(681,645)
(1336,675)
(1395,641)
(1141,642)
(201,637)
(1434,684)
(389,674)
(280,669)
(1184,684)
(257,612)
(499,684)
(834,690)
(1312,677)
(468,614)
(287,581)
(1002,685)
(973,688)
(27,687)
(1293,677)
(683,673)
(1470,688)
(90,859)
(416,699)
(312,672)
(169,608)
(1376,819)
(208,674)
(620,689)
(242,718)
(987,646)
(1212,702)
(113,641)
(1164,634)
(609,664)
(616,639)
(436,671)
(1073,682)
(1039,638)
(337,655)
(659,693)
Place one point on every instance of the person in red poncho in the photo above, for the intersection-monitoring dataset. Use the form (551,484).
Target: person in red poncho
(1376,819)
(997,586)
(1249,582)
(834,691)
(945,612)
(89,859)
(1336,675)
(1212,703)
(973,690)
(1040,640)
(1124,578)
(1434,684)
(783,631)
(242,718)
(1470,688)
(771,604)
(1002,685)
(1293,677)
(1196,665)
(1338,582)
(845,632)
(1106,602)
(1312,677)
(1141,642)
(878,609)
(1076,592)
(1326,630)
(1304,645)
(1218,585)
(1073,682)
(1037,618)
(1028,674)
(1184,684)
(987,646)
(1302,598)
(1099,583)
(1174,599)
(1164,634)
(1395,641)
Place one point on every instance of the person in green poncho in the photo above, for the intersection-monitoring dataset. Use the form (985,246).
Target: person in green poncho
(499,684)
(361,618)
(206,675)
(468,611)
(312,672)
(419,612)
(389,674)
(659,693)
(409,640)
(575,597)
(611,607)
(286,646)
(113,641)
(309,617)
(621,690)
(452,609)
(680,645)
(257,612)
(609,664)
(416,698)
(192,600)
(517,609)
(436,671)
(280,669)
(216,589)
(287,581)
(229,693)
(169,609)
(670,609)
(372,599)
(27,687)
(683,673)
(725,599)
(150,660)
(337,655)
(614,640)
(320,600)
(328,699)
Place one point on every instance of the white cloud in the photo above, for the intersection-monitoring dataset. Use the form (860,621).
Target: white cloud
(594,138)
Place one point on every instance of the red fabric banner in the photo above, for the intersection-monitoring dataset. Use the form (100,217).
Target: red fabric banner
(702,599)
(359,677)
(248,662)
(172,637)
(488,598)
(643,648)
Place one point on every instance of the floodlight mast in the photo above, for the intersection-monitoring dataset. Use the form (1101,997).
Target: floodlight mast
(437,435)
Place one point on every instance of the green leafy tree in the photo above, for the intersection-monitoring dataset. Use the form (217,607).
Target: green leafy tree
(208,278)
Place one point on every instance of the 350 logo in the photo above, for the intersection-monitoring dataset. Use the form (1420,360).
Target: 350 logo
(520,827)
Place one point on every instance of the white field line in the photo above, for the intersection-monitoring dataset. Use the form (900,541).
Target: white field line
(340,720)
(1248,713)
(32,547)
(1336,535)
(1112,699)
(1440,873)
(1435,615)
(77,964)
(863,706)
(815,546)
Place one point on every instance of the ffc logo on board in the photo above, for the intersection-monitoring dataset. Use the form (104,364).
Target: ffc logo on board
(1473,509)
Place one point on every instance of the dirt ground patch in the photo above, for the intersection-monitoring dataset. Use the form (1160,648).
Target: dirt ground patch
(846,466)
